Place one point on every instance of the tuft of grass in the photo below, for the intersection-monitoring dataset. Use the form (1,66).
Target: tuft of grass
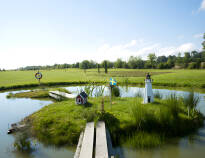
(146,140)
(191,101)
(157,95)
(139,94)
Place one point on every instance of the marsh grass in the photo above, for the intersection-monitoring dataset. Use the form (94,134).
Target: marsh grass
(158,95)
(143,140)
(139,94)
(191,101)
(99,91)
(22,143)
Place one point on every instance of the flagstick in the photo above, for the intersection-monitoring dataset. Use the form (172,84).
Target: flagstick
(111,96)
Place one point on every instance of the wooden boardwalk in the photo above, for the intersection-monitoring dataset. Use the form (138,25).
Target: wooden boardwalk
(103,145)
(57,95)
(101,150)
(88,139)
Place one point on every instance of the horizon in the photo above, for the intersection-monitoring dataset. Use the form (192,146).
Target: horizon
(57,32)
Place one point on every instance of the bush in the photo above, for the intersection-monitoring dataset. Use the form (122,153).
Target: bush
(115,91)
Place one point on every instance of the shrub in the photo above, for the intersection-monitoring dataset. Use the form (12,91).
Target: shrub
(115,91)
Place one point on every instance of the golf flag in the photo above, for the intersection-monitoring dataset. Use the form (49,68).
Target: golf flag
(113,82)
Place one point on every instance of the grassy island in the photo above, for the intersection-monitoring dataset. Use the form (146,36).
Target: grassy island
(139,125)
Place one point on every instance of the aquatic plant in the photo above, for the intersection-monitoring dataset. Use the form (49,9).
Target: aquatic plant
(89,89)
(172,102)
(143,139)
(157,95)
(191,101)
(99,91)
(22,143)
(139,94)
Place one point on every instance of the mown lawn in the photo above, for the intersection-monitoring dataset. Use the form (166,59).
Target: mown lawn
(171,78)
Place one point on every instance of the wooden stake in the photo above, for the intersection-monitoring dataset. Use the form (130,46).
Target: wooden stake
(111,96)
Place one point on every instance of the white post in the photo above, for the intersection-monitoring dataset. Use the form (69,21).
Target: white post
(148,93)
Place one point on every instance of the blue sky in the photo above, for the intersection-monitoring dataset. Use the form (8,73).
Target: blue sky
(41,32)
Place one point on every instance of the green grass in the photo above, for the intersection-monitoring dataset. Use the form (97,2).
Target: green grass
(171,78)
(127,119)
(39,93)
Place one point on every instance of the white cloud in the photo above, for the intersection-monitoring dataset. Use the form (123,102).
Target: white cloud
(18,56)
(202,5)
(107,52)
(199,35)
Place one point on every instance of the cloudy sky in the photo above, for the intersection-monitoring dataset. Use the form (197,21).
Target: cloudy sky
(42,32)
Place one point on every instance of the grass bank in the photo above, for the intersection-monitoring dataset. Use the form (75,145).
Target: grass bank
(36,94)
(128,121)
(171,78)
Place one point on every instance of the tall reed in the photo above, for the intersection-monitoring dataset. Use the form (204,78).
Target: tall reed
(191,101)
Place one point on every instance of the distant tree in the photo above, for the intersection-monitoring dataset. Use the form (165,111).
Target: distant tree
(98,66)
(203,44)
(187,59)
(152,59)
(132,62)
(84,65)
(162,59)
(125,65)
(105,64)
(118,63)
(170,63)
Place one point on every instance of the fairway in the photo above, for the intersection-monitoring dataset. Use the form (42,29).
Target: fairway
(171,78)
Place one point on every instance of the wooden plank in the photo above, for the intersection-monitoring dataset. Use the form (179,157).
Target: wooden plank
(101,141)
(87,144)
(54,96)
(63,94)
(77,152)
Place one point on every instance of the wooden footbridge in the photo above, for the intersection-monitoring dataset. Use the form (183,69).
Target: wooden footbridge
(94,143)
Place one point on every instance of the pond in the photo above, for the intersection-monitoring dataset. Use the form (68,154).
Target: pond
(13,110)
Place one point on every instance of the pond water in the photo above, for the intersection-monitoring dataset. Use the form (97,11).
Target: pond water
(13,110)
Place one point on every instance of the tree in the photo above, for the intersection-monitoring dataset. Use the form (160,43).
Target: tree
(118,63)
(84,64)
(132,63)
(161,59)
(106,66)
(203,44)
(98,68)
(187,58)
(152,59)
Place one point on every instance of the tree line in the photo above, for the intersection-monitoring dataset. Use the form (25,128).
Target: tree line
(190,60)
